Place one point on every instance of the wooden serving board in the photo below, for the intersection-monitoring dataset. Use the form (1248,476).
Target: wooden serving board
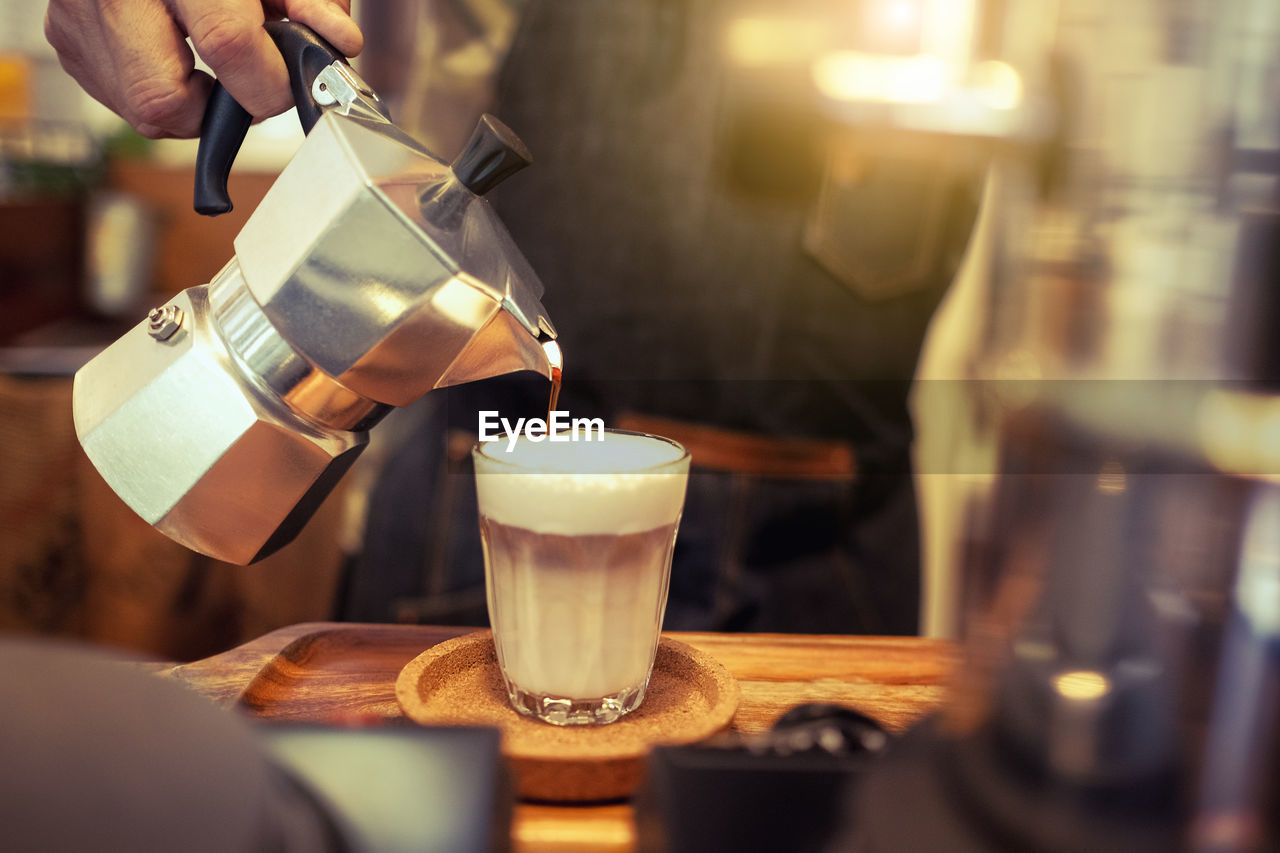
(346,673)
(316,672)
(319,671)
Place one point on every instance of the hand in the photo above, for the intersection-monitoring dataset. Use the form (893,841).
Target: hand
(132,55)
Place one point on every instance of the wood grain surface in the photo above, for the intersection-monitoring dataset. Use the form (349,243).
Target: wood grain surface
(346,673)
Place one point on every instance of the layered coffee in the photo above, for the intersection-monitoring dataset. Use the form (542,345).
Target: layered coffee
(578,538)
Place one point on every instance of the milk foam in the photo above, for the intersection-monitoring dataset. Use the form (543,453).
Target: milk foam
(621,484)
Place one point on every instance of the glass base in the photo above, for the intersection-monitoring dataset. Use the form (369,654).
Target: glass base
(575,712)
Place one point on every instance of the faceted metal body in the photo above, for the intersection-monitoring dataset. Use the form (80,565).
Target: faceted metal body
(385,272)
(210,460)
(369,275)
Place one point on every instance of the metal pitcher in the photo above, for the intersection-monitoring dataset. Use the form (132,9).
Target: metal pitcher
(370,274)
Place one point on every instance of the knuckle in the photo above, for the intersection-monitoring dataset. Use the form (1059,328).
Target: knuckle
(221,40)
(53,35)
(113,9)
(55,30)
(155,105)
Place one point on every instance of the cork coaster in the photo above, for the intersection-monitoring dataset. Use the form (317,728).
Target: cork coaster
(691,696)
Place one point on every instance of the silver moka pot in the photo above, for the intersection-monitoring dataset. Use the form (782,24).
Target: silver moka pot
(370,274)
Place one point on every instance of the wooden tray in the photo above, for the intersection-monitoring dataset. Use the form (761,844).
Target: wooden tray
(329,673)
(690,697)
(344,671)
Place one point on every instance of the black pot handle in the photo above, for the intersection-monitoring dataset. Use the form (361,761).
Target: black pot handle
(225,122)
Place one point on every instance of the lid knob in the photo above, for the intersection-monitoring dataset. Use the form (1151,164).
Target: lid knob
(493,154)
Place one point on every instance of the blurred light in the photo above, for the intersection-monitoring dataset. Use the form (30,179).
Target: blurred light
(889,26)
(948,29)
(1257,592)
(1111,480)
(849,75)
(997,85)
(1020,365)
(900,14)
(778,40)
(15,87)
(1082,685)
(1240,433)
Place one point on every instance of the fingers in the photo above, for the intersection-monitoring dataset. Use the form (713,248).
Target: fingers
(132,55)
(160,91)
(228,35)
(129,55)
(71,28)
(331,19)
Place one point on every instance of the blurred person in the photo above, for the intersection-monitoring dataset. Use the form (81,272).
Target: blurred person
(716,273)
(712,269)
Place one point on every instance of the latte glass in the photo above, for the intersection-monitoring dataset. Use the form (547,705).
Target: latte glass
(578,536)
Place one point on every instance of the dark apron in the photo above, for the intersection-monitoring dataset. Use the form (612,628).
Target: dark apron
(703,263)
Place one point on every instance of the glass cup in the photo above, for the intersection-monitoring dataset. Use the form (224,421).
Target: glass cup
(578,536)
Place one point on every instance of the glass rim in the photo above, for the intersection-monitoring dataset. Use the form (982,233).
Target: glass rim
(477,450)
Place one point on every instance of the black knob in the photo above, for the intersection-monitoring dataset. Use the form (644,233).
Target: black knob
(493,154)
